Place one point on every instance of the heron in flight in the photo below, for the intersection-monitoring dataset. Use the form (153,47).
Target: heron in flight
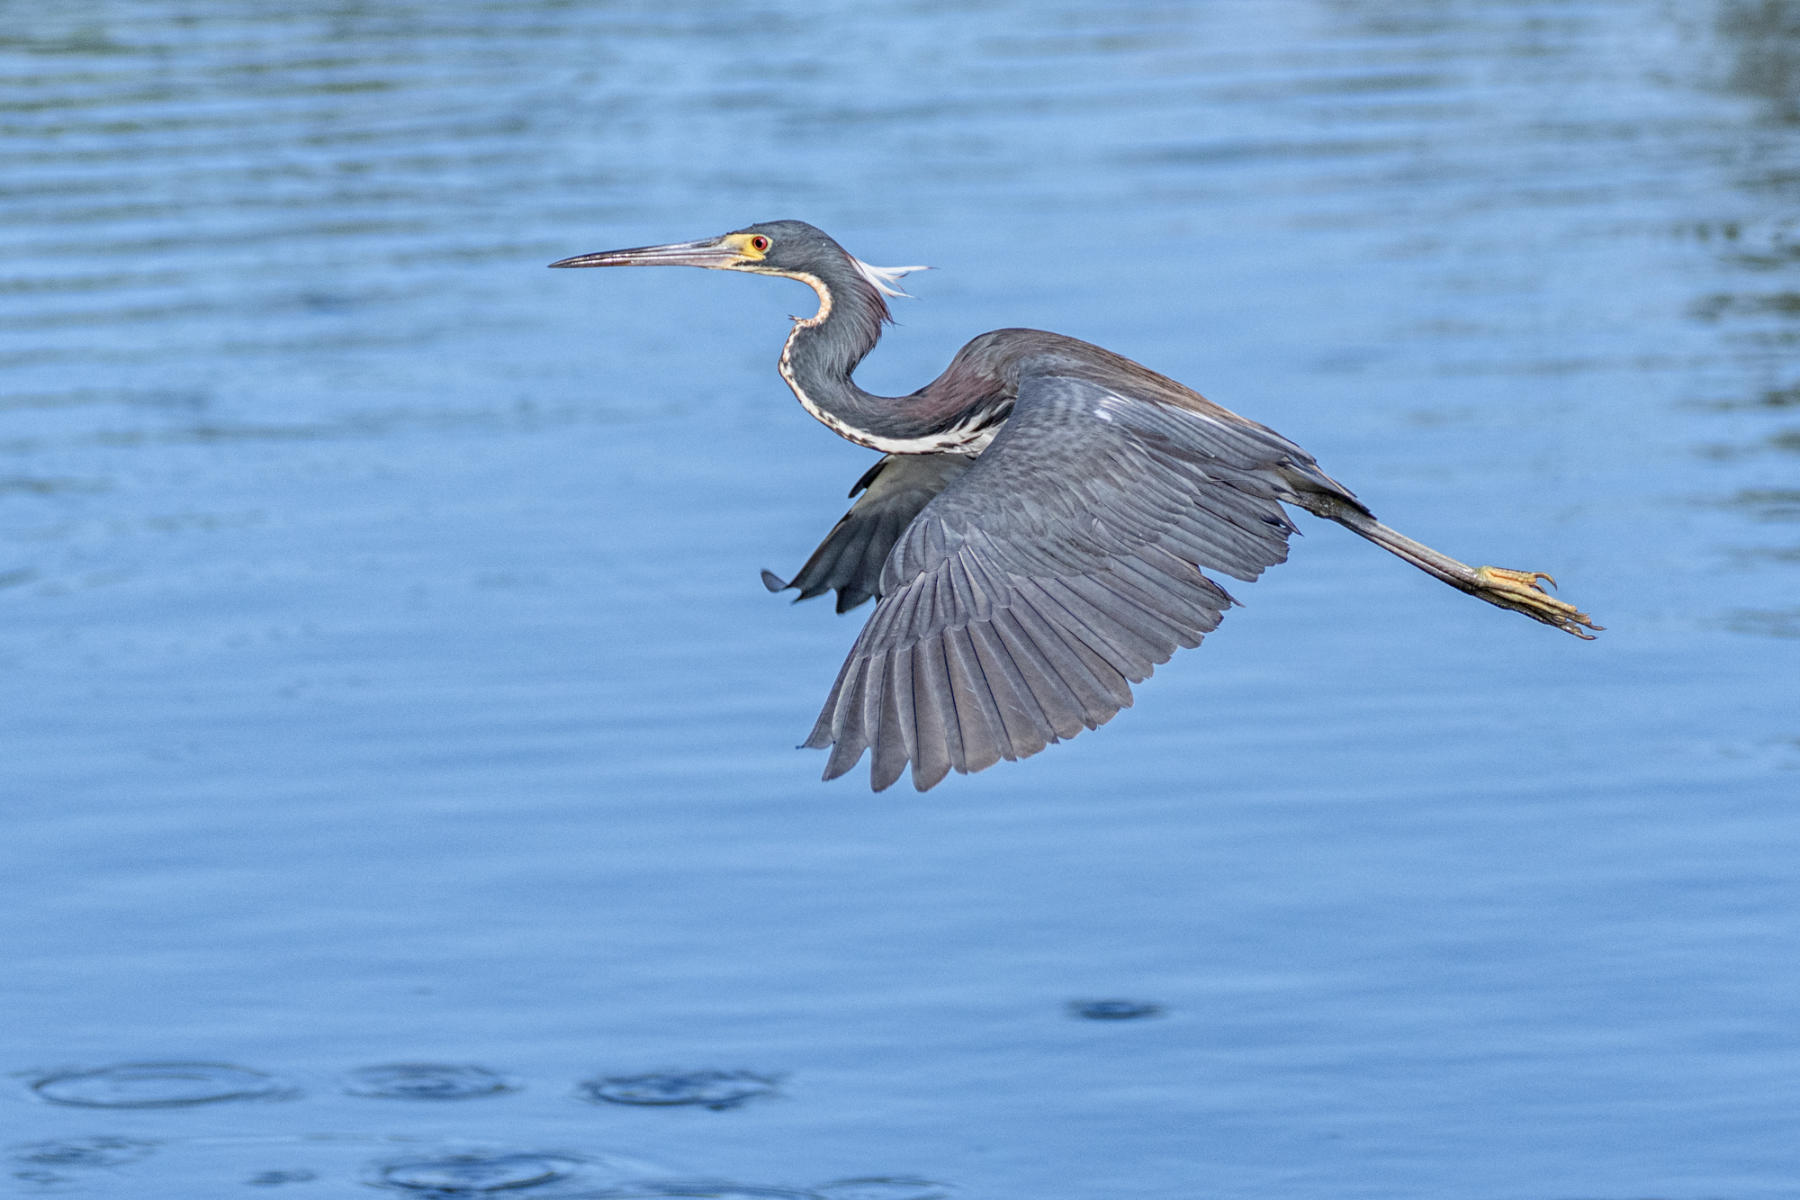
(1035,532)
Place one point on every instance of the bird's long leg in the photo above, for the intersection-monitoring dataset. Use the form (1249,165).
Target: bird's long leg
(1517,590)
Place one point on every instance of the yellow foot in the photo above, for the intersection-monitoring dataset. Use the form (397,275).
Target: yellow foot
(1519,591)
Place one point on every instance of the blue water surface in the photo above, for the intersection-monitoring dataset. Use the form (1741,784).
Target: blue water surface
(397,749)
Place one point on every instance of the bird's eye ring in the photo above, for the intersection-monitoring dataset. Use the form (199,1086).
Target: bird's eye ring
(759,243)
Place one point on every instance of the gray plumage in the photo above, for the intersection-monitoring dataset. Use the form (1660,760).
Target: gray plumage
(1032,594)
(1036,535)
(851,556)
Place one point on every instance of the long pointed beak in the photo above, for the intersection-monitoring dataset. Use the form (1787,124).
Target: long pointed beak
(714,253)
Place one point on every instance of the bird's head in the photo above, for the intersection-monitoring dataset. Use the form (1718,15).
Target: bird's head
(792,249)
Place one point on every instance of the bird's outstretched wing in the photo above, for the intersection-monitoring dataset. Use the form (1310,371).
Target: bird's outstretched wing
(850,557)
(1023,600)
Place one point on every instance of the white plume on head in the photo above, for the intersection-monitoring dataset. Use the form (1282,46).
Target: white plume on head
(885,279)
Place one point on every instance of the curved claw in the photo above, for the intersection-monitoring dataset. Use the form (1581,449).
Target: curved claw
(1519,591)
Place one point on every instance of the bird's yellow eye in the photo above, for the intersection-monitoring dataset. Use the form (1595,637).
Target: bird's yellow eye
(759,243)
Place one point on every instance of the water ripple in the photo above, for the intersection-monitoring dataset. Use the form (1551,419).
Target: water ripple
(885,1187)
(717,1090)
(1114,1010)
(706,1190)
(159,1085)
(475,1174)
(427,1081)
(83,1153)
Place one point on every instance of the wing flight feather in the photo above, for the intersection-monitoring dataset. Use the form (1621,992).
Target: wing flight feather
(1022,597)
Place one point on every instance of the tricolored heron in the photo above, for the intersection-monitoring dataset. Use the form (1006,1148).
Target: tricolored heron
(1034,532)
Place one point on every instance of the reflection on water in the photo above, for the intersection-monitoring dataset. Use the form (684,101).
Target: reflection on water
(1762,42)
(386,679)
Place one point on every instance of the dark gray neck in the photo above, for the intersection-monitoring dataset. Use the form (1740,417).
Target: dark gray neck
(821,356)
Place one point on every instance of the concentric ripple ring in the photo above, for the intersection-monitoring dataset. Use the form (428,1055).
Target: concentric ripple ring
(427,1081)
(476,1174)
(159,1085)
(704,1089)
